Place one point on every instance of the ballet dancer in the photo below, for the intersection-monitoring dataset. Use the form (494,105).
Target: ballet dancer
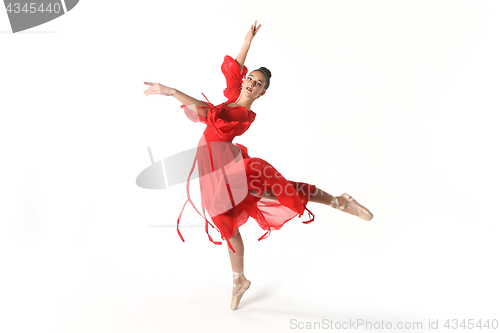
(270,199)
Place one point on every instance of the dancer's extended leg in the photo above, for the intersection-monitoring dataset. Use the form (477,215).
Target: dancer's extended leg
(318,196)
(352,206)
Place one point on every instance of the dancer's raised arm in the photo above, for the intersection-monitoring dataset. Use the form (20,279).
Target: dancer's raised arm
(240,59)
(159,89)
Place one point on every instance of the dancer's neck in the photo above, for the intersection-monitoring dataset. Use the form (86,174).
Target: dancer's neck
(244,101)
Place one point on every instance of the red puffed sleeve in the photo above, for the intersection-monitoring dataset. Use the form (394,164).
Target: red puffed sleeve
(234,78)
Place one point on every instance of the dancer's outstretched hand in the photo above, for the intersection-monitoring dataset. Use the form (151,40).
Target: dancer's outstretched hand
(158,89)
(252,32)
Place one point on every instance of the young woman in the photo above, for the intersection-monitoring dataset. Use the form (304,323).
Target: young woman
(235,186)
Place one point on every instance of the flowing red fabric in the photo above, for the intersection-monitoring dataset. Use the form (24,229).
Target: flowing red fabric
(227,172)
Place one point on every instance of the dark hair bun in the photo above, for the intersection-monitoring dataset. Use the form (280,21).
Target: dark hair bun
(267,74)
(266,71)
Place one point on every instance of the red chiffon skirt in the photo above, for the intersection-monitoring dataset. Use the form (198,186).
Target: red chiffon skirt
(226,174)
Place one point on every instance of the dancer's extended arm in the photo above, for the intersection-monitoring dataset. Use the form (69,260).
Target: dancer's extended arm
(159,89)
(240,59)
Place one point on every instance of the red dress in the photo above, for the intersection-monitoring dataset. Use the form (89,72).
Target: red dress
(226,171)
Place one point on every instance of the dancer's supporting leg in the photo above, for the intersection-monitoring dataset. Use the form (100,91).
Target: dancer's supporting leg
(237,257)
(240,282)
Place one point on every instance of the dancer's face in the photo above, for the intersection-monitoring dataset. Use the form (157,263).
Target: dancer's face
(253,85)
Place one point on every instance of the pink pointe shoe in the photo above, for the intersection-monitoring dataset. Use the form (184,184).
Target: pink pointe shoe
(352,207)
(235,301)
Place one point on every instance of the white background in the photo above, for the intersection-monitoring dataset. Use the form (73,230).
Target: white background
(393,102)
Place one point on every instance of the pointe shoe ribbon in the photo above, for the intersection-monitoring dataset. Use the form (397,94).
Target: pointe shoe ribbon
(335,203)
(243,287)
